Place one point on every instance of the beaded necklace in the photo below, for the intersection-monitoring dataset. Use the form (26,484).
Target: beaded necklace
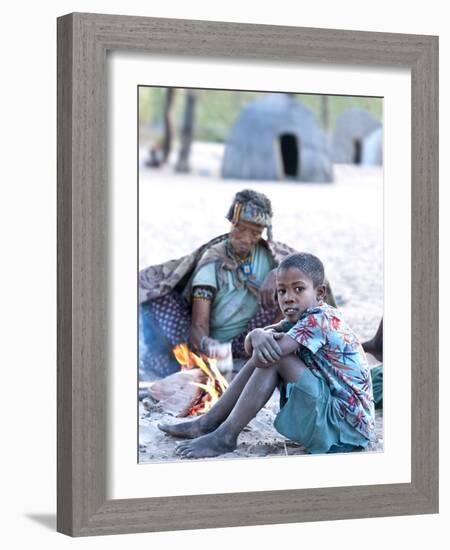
(245,265)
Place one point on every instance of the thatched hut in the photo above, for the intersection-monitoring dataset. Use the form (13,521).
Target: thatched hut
(372,153)
(349,142)
(277,138)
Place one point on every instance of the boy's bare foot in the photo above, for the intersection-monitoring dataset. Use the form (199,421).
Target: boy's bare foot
(189,430)
(212,444)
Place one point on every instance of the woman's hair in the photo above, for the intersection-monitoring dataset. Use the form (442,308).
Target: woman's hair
(309,264)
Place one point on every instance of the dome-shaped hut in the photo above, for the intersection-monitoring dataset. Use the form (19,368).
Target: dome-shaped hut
(372,152)
(353,127)
(276,138)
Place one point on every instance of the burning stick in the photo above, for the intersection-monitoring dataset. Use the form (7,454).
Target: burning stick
(178,393)
(193,390)
(215,383)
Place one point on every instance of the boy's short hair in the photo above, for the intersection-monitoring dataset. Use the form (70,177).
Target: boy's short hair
(308,263)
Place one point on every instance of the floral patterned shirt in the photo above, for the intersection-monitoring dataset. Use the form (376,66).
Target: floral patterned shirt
(330,349)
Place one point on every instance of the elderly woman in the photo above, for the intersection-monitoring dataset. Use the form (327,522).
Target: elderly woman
(218,293)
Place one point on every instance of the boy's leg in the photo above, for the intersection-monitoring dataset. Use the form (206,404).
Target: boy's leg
(219,412)
(375,345)
(259,389)
(252,399)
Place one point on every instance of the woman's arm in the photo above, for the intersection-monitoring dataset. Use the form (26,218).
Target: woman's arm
(268,288)
(199,332)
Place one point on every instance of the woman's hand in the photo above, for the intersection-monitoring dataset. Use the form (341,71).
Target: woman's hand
(265,345)
(213,348)
(268,289)
(210,347)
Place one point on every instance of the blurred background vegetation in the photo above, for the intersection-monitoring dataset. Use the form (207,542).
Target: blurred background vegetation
(217,110)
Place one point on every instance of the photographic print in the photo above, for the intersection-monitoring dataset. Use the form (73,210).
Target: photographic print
(287,235)
(260,274)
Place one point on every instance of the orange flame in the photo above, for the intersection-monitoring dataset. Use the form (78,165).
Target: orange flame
(215,383)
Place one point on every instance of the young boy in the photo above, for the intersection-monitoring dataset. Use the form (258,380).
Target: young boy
(326,393)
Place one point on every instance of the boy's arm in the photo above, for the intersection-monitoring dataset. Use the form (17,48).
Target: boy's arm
(248,347)
(286,345)
(277,327)
(262,337)
(248,344)
(265,346)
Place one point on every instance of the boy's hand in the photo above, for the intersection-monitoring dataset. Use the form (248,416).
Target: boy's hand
(265,345)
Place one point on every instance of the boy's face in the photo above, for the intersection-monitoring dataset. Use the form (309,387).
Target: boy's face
(296,293)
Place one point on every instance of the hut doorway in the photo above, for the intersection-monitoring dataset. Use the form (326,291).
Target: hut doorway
(357,151)
(289,155)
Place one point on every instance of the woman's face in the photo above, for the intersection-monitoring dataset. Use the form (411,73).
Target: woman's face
(243,236)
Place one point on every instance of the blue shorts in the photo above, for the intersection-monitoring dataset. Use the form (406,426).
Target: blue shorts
(311,416)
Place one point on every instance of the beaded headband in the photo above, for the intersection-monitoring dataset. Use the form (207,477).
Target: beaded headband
(250,212)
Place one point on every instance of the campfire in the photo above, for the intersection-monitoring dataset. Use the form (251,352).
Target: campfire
(214,382)
(194,389)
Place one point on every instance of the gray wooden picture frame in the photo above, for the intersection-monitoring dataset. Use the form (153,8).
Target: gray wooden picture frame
(83,43)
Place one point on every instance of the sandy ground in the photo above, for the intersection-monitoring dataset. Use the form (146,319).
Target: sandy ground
(258,439)
(341,222)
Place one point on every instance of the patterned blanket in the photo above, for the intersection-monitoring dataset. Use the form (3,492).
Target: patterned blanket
(158,280)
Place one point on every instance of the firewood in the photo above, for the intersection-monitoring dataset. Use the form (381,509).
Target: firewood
(178,393)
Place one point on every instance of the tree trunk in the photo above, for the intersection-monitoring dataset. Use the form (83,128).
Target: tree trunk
(325,112)
(169,126)
(187,133)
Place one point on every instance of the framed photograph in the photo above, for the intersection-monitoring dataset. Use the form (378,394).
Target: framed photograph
(340,134)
